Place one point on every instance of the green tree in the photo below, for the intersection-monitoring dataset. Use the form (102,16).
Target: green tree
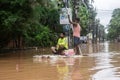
(28,20)
(34,22)
(84,17)
(14,15)
(114,25)
(86,13)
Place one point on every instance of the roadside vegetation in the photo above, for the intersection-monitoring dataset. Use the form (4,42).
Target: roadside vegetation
(114,26)
(28,23)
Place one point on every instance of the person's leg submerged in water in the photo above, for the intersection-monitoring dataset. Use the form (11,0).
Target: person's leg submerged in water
(77,46)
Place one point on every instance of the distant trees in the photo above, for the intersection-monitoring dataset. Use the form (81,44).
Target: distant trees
(114,25)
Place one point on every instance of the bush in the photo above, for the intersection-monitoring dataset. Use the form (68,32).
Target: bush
(40,35)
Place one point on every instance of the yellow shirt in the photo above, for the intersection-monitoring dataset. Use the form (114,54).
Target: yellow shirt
(62,42)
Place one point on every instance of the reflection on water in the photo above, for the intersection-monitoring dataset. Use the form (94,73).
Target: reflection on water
(104,68)
(67,68)
(102,63)
(106,47)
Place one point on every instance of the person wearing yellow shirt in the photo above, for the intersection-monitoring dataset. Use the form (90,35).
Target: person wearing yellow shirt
(62,45)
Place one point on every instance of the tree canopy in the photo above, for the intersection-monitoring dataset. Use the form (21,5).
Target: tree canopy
(36,22)
(114,25)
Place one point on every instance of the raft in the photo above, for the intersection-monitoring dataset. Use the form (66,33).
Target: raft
(57,56)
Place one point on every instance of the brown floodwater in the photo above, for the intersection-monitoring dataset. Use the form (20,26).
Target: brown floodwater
(101,63)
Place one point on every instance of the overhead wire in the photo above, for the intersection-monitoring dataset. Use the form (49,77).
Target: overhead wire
(103,10)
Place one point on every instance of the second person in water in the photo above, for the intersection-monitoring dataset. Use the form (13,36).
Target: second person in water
(76,34)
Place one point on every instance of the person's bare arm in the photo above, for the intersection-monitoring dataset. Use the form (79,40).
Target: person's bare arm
(74,23)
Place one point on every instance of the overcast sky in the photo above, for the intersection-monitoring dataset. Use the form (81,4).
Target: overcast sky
(105,9)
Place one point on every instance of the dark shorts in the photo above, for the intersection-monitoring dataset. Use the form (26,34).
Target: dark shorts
(76,41)
(59,51)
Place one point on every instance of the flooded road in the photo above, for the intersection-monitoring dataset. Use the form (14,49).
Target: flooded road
(102,63)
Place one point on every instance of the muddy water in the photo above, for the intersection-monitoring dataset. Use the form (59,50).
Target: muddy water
(102,63)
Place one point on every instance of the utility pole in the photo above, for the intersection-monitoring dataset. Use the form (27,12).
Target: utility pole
(66,2)
(75,7)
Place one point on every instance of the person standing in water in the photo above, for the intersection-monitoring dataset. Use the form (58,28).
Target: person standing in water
(76,34)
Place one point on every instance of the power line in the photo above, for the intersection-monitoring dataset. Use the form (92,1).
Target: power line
(104,10)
